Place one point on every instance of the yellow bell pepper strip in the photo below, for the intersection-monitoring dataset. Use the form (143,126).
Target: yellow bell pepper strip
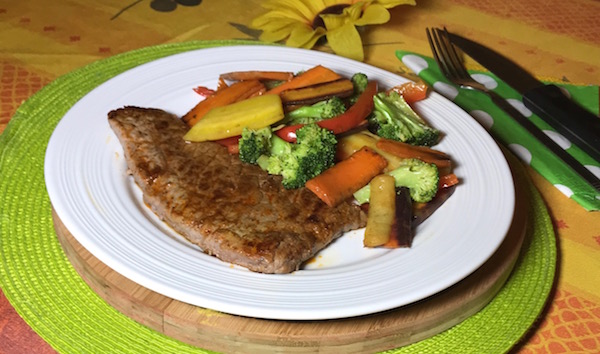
(227,121)
(357,113)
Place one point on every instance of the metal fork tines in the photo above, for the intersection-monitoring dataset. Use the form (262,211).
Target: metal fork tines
(449,61)
(453,68)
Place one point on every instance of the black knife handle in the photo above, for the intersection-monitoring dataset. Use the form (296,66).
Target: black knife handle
(537,133)
(575,123)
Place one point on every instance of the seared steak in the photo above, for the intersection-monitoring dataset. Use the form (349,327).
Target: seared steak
(232,210)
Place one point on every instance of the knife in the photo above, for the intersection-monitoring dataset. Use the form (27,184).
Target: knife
(575,123)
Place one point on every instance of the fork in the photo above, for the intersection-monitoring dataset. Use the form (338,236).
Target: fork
(454,70)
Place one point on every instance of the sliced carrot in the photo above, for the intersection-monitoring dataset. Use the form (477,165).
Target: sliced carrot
(448,180)
(348,144)
(350,119)
(258,75)
(318,92)
(402,231)
(315,75)
(382,211)
(346,177)
(424,153)
(408,149)
(230,94)
(221,84)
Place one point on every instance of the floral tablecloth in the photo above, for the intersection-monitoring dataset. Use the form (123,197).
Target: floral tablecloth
(558,41)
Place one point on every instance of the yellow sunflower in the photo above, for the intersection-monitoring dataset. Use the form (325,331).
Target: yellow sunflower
(301,23)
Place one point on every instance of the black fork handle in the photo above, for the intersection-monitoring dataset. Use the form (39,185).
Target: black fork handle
(537,133)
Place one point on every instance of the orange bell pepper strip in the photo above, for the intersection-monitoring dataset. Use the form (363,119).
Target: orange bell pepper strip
(411,91)
(339,182)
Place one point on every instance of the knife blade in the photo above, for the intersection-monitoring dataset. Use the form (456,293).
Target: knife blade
(538,134)
(575,123)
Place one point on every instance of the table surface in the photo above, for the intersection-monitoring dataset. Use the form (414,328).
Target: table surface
(555,40)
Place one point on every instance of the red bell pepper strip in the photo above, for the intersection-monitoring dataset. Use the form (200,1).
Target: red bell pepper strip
(354,116)
(230,143)
(204,91)
(448,180)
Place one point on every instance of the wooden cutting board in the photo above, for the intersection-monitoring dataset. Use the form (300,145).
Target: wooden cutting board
(222,332)
(229,333)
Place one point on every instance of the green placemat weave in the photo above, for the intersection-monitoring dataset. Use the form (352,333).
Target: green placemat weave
(46,291)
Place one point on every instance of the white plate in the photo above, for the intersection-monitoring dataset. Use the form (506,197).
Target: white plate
(87,183)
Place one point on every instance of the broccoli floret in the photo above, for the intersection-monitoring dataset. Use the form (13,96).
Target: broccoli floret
(359,81)
(321,110)
(313,153)
(393,118)
(254,143)
(419,177)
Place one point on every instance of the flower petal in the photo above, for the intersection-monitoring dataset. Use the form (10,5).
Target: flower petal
(373,15)
(388,4)
(354,11)
(332,21)
(329,3)
(315,6)
(304,37)
(307,9)
(275,26)
(276,34)
(291,20)
(346,42)
(273,17)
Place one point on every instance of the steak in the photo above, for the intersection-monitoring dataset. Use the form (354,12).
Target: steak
(232,210)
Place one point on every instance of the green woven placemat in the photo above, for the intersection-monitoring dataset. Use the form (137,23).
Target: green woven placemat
(46,291)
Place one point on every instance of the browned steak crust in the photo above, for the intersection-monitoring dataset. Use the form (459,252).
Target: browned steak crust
(232,210)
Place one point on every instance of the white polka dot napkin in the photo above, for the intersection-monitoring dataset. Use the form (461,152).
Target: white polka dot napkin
(511,134)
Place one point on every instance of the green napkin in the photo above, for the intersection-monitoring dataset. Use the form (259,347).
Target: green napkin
(505,130)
